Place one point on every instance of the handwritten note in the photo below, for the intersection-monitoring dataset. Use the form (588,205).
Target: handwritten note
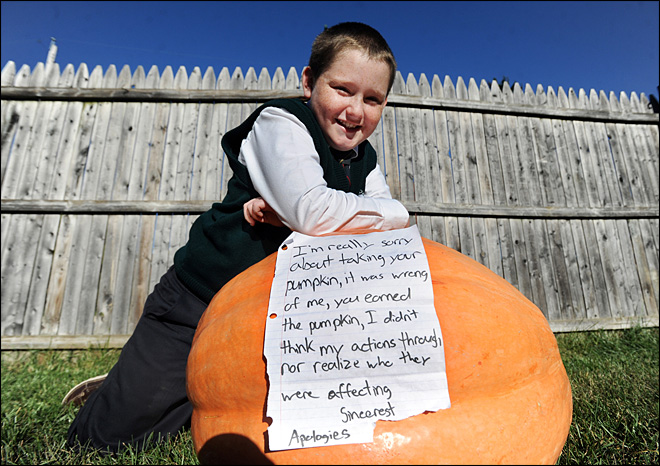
(351,337)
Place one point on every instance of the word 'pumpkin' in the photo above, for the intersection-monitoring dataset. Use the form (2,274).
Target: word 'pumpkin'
(510,395)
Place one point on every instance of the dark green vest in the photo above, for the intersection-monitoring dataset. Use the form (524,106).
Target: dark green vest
(221,243)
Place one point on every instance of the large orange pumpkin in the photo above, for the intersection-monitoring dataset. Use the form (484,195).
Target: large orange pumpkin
(510,395)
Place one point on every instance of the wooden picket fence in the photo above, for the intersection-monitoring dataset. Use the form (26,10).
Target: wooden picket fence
(103,174)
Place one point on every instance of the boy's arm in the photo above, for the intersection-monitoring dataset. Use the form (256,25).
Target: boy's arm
(284,167)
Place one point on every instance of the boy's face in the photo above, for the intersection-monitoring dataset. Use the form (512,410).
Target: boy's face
(348,98)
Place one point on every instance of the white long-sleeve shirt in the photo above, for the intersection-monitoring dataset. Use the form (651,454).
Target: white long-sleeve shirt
(285,169)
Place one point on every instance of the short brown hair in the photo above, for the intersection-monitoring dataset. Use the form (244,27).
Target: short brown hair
(345,36)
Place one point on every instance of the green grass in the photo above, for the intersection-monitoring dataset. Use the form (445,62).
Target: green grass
(613,374)
(35,425)
(614,379)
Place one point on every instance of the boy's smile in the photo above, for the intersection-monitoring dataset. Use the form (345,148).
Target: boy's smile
(348,98)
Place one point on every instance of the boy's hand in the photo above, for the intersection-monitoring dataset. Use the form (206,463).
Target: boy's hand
(258,210)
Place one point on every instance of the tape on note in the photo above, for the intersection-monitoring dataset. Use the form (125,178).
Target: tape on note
(352,337)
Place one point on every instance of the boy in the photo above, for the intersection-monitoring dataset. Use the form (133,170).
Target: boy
(297,167)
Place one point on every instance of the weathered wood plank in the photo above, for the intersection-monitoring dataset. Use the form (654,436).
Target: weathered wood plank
(528,152)
(507,135)
(416,158)
(648,242)
(583,159)
(517,238)
(633,288)
(182,162)
(17,132)
(618,149)
(549,171)
(45,289)
(629,158)
(507,253)
(62,319)
(121,235)
(543,282)
(227,115)
(476,227)
(534,263)
(93,234)
(564,266)
(557,173)
(445,191)
(649,234)
(157,95)
(463,240)
(404,145)
(481,177)
(567,153)
(444,229)
(484,228)
(587,185)
(604,151)
(59,342)
(430,168)
(390,157)
(19,137)
(603,324)
(645,141)
(651,135)
(571,289)
(250,83)
(598,190)
(453,209)
(467,165)
(72,242)
(612,265)
(10,111)
(587,291)
(153,141)
(8,73)
(180,224)
(129,282)
(16,270)
(604,308)
(163,225)
(493,157)
(234,116)
(548,256)
(110,229)
(215,155)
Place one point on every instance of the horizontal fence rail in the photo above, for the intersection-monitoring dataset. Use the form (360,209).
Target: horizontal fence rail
(103,173)
(198,207)
(222,95)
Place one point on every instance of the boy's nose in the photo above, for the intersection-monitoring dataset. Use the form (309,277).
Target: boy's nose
(355,111)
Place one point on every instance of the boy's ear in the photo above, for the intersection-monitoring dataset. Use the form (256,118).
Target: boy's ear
(307,82)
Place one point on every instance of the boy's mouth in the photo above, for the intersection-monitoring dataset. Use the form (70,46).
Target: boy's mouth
(347,125)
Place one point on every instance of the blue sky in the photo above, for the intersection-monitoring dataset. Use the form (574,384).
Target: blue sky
(610,46)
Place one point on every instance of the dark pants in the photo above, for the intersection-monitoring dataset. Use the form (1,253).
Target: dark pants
(145,392)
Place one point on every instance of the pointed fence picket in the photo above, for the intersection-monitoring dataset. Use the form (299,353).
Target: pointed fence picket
(104,173)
